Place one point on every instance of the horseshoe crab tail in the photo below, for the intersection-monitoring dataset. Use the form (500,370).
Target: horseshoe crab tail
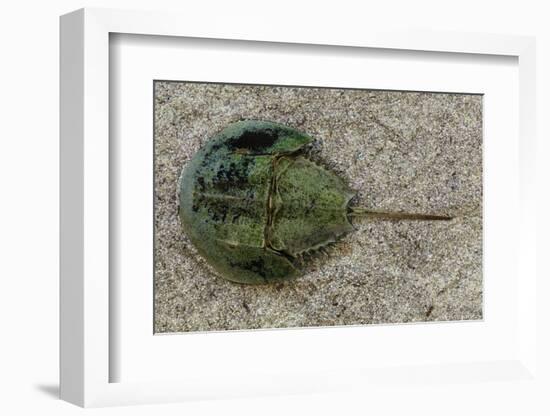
(364,212)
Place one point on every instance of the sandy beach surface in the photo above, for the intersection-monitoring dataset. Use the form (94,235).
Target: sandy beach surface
(400,151)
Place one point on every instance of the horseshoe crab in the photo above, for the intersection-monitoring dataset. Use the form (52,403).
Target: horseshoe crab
(252,205)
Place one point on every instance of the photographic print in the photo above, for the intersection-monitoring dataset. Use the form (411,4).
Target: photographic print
(293,207)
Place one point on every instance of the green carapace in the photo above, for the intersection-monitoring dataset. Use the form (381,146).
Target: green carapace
(253,204)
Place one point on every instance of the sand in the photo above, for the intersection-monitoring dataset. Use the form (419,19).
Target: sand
(401,151)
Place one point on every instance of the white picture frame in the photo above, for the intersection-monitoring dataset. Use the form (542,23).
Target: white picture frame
(86,356)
